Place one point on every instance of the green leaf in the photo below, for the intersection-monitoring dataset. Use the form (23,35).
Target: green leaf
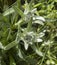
(12,61)
(1,46)
(37,5)
(33,10)
(8,12)
(19,11)
(26,8)
(19,22)
(10,45)
(19,3)
(37,50)
(20,53)
(55,0)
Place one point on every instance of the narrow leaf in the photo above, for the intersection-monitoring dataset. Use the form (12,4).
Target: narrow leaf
(36,50)
(10,45)
(19,11)
(20,54)
(1,46)
(8,12)
(12,61)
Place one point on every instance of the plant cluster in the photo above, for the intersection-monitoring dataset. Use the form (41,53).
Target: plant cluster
(28,32)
